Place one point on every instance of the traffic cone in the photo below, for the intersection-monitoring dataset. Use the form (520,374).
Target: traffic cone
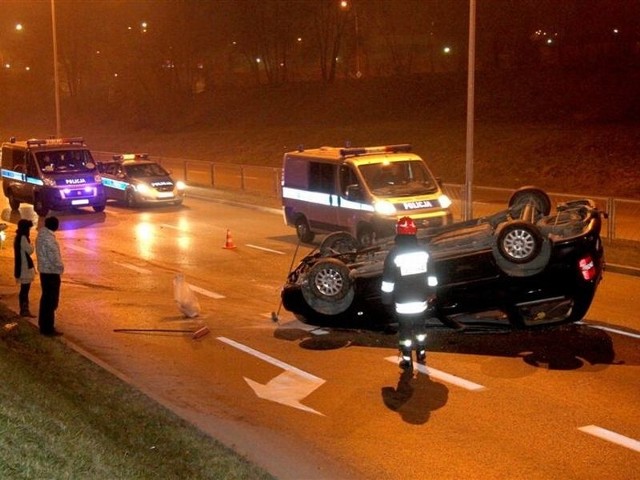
(229,241)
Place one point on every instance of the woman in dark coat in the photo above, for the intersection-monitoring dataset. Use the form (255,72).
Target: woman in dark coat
(24,270)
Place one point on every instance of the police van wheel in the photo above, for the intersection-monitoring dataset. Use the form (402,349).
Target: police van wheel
(13,203)
(303,230)
(39,208)
(98,208)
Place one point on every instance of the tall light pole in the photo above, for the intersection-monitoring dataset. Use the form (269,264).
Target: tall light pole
(468,205)
(56,82)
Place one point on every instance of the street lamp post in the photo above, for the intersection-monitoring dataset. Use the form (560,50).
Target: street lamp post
(468,205)
(56,82)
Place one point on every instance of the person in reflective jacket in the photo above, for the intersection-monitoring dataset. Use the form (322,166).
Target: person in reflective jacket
(408,282)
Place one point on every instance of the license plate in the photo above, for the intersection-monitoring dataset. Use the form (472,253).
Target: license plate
(165,195)
(80,202)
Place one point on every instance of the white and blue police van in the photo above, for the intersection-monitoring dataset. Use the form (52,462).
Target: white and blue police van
(134,179)
(360,190)
(51,174)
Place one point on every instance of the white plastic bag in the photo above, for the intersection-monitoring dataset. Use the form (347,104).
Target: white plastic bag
(184,297)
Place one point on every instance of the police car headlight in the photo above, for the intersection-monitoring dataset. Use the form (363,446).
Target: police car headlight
(385,208)
(445,202)
(180,185)
(143,188)
(97,178)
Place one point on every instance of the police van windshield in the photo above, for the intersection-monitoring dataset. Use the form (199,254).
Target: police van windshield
(66,161)
(398,178)
(142,170)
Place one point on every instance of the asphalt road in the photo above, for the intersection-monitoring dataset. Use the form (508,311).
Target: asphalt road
(312,403)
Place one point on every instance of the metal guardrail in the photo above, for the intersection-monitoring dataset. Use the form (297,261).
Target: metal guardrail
(622,213)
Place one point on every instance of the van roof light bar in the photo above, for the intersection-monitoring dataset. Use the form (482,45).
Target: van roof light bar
(131,156)
(38,142)
(405,147)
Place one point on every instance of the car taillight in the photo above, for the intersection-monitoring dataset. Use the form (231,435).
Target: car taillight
(587,267)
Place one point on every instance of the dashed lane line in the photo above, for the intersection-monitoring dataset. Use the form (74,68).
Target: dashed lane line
(445,377)
(612,437)
(265,249)
(609,329)
(80,249)
(134,268)
(207,293)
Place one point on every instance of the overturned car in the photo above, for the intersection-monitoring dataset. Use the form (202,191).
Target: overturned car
(524,266)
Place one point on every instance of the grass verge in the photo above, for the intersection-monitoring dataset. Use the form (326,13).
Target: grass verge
(61,416)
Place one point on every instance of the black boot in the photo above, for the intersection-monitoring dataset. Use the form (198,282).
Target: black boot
(24,310)
(405,360)
(421,354)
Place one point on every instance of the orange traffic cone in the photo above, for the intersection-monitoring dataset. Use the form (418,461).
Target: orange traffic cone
(229,241)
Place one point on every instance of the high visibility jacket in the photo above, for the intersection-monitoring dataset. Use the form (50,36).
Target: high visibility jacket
(408,279)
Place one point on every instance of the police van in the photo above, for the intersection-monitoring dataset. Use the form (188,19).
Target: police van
(51,174)
(360,190)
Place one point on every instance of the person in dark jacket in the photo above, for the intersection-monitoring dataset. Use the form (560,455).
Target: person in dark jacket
(408,283)
(24,270)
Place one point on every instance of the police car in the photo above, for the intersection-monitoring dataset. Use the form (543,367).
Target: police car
(135,180)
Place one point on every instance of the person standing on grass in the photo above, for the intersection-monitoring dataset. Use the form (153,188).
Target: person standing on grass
(51,268)
(24,270)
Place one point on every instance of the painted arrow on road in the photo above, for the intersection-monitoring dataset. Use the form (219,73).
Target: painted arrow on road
(289,388)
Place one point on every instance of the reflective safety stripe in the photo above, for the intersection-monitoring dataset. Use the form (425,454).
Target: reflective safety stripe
(421,338)
(327,199)
(405,343)
(411,307)
(387,287)
(412,263)
(21,177)
(117,184)
(432,281)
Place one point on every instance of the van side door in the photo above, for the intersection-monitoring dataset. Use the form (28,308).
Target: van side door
(322,186)
(353,200)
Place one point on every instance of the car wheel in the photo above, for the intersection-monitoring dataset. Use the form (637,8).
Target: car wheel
(303,230)
(13,203)
(531,196)
(98,208)
(520,250)
(130,199)
(328,288)
(338,242)
(366,236)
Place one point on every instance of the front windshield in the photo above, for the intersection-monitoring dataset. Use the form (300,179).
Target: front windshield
(405,178)
(66,161)
(144,170)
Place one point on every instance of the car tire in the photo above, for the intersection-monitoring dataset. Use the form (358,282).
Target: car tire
(98,208)
(533,196)
(520,250)
(338,243)
(303,230)
(328,289)
(130,199)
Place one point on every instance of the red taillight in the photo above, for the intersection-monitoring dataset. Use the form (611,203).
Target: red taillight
(587,268)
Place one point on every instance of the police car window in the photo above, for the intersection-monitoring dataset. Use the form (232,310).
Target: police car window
(347,177)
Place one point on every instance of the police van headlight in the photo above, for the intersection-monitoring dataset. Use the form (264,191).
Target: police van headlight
(180,185)
(445,202)
(385,208)
(48,182)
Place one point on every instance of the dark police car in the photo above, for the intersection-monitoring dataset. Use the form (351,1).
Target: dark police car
(135,180)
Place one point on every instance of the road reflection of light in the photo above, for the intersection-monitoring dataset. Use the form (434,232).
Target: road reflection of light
(145,237)
(184,242)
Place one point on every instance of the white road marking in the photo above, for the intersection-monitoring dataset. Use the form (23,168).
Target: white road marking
(612,437)
(445,377)
(206,293)
(80,249)
(134,268)
(288,388)
(265,249)
(612,330)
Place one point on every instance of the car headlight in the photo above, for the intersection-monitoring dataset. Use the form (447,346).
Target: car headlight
(180,185)
(48,182)
(445,202)
(385,208)
(143,188)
